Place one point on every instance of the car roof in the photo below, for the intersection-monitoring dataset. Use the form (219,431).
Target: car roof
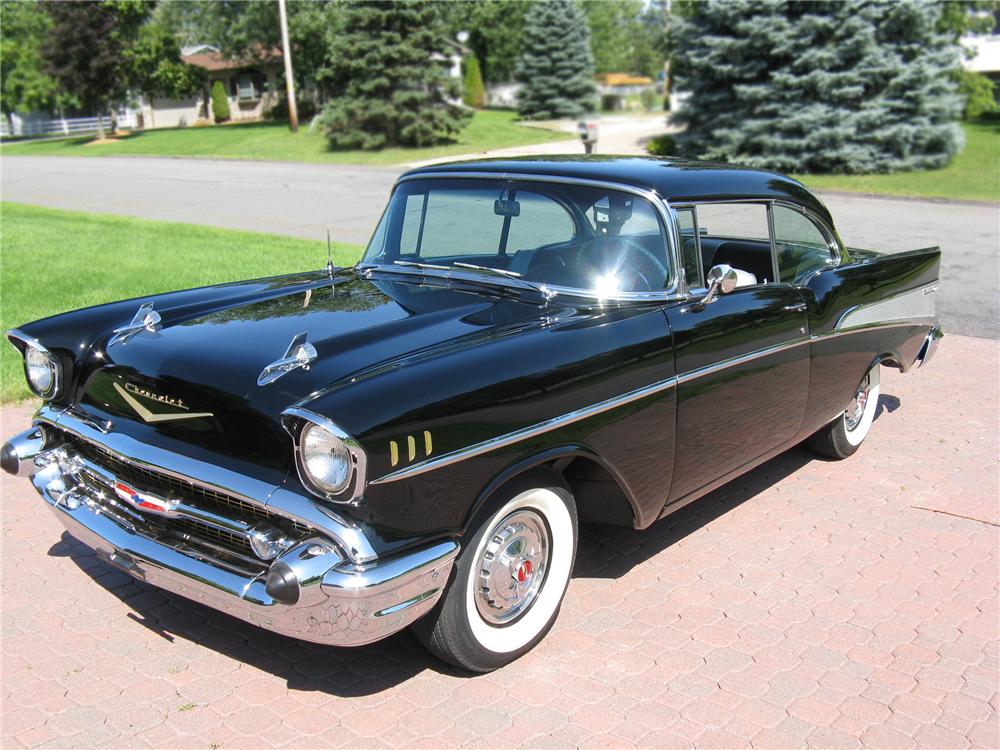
(676,180)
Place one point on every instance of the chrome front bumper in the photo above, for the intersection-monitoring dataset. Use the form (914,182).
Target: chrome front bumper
(317,590)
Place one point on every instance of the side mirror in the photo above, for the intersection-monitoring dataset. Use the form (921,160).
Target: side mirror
(722,279)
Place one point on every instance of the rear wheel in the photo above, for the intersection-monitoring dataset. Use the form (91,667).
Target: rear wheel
(844,435)
(510,578)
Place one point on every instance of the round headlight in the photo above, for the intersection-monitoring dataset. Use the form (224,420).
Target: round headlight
(40,369)
(325,458)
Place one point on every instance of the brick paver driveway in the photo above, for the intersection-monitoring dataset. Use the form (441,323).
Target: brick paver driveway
(808,603)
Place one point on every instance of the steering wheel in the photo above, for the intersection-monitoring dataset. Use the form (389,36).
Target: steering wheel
(632,263)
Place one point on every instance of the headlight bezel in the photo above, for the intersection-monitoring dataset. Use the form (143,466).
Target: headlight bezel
(26,344)
(295,421)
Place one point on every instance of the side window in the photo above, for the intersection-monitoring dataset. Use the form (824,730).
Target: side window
(690,253)
(801,246)
(541,221)
(737,235)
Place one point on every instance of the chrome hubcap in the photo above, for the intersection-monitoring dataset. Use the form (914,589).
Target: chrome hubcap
(512,567)
(854,413)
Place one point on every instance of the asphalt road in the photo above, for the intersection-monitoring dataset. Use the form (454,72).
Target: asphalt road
(305,200)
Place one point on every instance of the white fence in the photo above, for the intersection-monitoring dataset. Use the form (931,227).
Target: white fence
(31,125)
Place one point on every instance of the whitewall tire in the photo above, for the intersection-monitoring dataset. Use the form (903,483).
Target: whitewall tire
(510,578)
(844,435)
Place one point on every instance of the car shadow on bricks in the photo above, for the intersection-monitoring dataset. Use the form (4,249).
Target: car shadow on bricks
(345,672)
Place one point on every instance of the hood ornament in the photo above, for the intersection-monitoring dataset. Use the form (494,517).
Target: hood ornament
(145,319)
(300,353)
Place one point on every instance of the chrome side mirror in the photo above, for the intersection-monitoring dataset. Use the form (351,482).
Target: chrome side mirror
(722,279)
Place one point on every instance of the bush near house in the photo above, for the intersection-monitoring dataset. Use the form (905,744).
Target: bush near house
(220,102)
(978,92)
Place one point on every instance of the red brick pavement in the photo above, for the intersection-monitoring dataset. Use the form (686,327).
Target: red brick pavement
(809,603)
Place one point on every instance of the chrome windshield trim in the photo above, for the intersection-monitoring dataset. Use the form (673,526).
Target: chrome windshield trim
(526,433)
(671,293)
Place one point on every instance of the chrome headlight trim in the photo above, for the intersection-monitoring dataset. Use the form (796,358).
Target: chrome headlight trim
(293,420)
(24,343)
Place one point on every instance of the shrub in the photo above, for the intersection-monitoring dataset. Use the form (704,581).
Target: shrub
(648,97)
(475,91)
(220,103)
(662,145)
(978,92)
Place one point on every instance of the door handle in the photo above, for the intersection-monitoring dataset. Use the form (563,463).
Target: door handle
(797,307)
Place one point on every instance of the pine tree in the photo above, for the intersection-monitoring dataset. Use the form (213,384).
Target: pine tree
(389,72)
(834,86)
(556,66)
(475,91)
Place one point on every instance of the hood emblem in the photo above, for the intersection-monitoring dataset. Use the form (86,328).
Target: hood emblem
(145,319)
(300,353)
(144,500)
(150,416)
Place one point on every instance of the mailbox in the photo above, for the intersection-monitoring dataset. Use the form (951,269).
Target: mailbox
(588,134)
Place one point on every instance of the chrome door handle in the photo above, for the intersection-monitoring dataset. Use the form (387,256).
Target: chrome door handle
(797,307)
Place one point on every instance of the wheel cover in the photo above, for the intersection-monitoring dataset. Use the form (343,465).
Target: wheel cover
(856,409)
(512,567)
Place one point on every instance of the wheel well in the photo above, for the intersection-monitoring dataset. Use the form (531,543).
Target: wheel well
(599,497)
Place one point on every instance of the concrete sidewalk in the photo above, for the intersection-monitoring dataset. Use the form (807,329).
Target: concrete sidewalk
(809,603)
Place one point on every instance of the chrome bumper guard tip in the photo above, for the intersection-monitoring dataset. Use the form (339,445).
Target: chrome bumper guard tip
(929,346)
(325,596)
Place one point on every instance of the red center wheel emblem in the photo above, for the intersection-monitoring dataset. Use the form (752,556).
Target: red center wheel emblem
(524,571)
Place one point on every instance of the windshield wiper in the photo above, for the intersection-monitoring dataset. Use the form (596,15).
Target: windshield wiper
(512,275)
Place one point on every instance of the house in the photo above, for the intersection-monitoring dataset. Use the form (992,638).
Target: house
(252,86)
(985,58)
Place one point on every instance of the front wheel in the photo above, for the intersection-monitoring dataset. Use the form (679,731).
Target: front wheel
(844,435)
(510,578)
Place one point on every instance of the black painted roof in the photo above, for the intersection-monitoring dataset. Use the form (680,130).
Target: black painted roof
(677,180)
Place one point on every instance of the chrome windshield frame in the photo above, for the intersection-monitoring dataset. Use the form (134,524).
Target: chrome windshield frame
(674,290)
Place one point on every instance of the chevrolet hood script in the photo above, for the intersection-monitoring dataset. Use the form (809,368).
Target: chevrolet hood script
(150,416)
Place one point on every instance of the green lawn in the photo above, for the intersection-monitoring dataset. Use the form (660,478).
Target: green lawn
(973,175)
(489,129)
(53,261)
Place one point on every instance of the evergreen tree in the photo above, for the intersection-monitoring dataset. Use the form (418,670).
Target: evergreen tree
(220,103)
(475,91)
(556,66)
(389,71)
(833,86)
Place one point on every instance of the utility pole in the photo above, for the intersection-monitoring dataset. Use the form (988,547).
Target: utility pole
(286,49)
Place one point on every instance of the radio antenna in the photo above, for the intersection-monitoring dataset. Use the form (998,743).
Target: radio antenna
(329,255)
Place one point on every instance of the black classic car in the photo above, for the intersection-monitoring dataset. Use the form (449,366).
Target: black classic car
(525,345)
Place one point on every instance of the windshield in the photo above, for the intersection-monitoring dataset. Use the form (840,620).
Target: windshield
(582,237)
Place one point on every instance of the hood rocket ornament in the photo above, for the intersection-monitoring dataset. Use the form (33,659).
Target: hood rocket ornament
(300,353)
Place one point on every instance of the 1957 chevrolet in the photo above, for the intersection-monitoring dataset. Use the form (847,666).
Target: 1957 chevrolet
(525,345)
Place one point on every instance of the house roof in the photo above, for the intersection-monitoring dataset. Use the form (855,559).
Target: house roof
(623,79)
(212,60)
(676,180)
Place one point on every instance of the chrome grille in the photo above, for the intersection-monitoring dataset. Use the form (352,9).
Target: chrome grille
(230,548)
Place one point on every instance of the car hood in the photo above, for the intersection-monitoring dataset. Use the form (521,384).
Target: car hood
(206,358)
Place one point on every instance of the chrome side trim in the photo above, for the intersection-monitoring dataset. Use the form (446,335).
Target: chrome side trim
(741,359)
(906,306)
(290,416)
(525,433)
(865,329)
(671,293)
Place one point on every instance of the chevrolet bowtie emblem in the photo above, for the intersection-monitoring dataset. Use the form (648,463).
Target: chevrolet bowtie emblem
(149,416)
